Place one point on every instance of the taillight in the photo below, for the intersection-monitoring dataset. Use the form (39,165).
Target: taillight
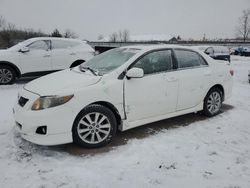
(231,72)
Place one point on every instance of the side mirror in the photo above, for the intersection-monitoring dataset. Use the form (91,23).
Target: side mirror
(135,73)
(24,49)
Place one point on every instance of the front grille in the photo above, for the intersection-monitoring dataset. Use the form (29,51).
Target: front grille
(22,101)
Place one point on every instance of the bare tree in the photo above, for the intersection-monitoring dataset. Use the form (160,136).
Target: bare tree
(10,35)
(100,37)
(11,27)
(113,37)
(120,35)
(56,33)
(7,34)
(125,35)
(2,22)
(243,27)
(69,34)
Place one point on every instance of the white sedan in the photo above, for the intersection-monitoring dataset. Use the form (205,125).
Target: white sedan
(42,55)
(118,90)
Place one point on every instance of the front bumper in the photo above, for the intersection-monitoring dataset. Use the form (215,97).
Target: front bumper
(58,121)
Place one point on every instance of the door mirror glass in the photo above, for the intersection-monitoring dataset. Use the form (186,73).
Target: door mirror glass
(135,73)
(24,49)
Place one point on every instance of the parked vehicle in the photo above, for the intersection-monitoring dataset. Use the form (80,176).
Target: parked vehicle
(249,76)
(242,51)
(120,89)
(39,56)
(216,52)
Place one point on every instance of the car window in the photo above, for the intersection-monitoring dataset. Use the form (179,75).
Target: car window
(61,44)
(110,60)
(187,59)
(155,62)
(221,50)
(39,45)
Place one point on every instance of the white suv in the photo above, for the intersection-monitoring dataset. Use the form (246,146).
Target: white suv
(120,89)
(41,55)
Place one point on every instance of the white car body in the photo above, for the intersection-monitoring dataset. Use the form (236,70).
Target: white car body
(216,52)
(53,54)
(137,101)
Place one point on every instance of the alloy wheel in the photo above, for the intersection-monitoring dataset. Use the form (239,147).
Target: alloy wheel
(214,102)
(94,128)
(5,76)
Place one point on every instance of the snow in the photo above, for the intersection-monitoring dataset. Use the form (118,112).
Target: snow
(203,152)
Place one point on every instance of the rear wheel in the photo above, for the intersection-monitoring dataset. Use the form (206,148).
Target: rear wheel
(7,75)
(95,126)
(212,102)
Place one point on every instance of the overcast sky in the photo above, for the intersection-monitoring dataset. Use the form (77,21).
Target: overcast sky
(90,18)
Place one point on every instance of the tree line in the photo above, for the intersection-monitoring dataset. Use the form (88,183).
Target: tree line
(11,35)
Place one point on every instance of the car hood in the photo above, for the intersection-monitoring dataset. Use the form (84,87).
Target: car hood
(62,82)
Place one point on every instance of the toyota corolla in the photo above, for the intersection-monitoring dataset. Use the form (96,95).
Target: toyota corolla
(118,90)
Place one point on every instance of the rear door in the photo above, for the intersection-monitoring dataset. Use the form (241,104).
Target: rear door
(194,78)
(62,55)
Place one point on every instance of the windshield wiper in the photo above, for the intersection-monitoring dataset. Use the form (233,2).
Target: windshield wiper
(94,72)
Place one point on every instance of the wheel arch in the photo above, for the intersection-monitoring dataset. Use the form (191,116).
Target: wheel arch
(17,71)
(77,62)
(220,87)
(112,108)
(107,105)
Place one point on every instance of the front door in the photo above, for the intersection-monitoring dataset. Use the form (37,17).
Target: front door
(38,57)
(154,94)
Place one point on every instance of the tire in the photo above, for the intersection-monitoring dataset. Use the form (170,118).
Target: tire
(94,126)
(212,103)
(7,75)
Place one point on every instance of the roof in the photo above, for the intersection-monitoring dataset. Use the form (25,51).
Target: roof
(55,38)
(157,46)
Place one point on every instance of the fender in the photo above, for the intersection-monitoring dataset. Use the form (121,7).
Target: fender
(17,70)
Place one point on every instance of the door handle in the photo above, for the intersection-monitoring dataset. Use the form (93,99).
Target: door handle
(47,55)
(171,79)
(72,53)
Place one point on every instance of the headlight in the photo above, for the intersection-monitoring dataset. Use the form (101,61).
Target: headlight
(50,101)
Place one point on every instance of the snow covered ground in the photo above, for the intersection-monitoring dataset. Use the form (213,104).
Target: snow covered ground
(211,152)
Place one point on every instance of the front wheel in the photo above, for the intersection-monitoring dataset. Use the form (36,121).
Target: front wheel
(94,126)
(212,102)
(7,75)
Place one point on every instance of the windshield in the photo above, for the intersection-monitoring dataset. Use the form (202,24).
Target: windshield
(110,60)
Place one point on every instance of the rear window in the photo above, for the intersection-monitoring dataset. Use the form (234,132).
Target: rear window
(62,44)
(221,49)
(189,59)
